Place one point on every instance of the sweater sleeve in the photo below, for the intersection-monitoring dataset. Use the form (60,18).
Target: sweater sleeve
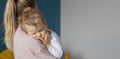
(39,50)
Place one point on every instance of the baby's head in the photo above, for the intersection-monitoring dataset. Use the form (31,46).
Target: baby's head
(33,23)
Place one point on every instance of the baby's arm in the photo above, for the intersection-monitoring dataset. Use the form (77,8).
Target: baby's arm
(52,43)
(55,46)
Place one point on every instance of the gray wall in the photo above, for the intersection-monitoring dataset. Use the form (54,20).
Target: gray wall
(90,29)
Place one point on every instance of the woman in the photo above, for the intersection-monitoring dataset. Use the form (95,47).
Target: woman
(13,10)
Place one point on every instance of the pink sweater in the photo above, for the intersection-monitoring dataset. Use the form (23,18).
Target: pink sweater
(26,47)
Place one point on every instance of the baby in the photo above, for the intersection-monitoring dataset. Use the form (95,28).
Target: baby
(32,22)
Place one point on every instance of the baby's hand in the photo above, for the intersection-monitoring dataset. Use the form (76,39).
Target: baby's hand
(46,38)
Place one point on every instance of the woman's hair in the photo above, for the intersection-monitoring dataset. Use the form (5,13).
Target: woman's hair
(32,17)
(13,10)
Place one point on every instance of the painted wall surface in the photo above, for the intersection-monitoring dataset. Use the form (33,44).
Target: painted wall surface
(2,8)
(50,10)
(90,29)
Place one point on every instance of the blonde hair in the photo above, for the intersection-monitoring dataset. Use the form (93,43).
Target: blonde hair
(32,18)
(13,10)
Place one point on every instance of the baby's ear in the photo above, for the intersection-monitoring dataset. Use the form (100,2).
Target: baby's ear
(27,9)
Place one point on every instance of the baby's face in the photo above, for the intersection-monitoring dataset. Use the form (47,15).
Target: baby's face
(35,32)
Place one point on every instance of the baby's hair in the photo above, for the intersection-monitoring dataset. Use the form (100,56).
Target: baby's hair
(32,17)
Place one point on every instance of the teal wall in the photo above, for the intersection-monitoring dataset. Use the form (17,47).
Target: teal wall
(2,8)
(50,10)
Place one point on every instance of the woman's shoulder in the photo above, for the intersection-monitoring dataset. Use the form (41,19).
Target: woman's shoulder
(20,33)
(23,37)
